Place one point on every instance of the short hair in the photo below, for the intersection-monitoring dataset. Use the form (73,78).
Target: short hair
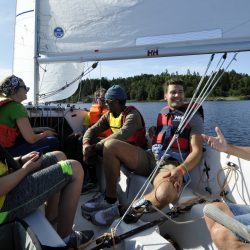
(173,81)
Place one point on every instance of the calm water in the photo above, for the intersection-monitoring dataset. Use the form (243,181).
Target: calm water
(233,117)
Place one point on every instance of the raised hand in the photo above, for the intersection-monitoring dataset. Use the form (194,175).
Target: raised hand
(219,143)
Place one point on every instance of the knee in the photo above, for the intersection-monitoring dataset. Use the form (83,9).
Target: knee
(59,155)
(165,193)
(110,146)
(78,172)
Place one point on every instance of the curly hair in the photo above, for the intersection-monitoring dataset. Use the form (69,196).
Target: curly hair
(10,84)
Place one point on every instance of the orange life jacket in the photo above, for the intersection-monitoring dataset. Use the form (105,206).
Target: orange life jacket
(95,113)
(7,135)
(167,123)
(139,137)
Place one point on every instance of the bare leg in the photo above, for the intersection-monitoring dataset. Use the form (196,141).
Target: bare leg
(51,206)
(223,238)
(69,200)
(115,153)
(163,192)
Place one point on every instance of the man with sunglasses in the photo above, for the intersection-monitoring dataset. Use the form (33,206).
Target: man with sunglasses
(127,126)
(124,123)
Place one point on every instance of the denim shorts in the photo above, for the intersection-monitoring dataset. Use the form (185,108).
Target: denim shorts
(242,214)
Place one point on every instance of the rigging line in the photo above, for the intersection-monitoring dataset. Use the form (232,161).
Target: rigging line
(145,185)
(188,111)
(44,71)
(206,88)
(201,81)
(151,176)
(80,87)
(149,179)
(51,93)
(58,90)
(207,93)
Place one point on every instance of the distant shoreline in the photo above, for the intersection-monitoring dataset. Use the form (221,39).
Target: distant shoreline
(217,98)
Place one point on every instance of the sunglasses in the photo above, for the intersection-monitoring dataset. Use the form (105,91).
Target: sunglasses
(25,87)
(109,101)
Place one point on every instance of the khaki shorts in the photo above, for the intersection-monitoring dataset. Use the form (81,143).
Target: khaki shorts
(147,163)
(168,164)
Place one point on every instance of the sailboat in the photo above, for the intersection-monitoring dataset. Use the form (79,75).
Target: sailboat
(53,41)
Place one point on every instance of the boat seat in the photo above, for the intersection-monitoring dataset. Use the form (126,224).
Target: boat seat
(43,230)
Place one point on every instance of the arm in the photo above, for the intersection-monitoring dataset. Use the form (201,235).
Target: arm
(219,143)
(10,181)
(195,155)
(27,132)
(132,123)
(192,160)
(96,129)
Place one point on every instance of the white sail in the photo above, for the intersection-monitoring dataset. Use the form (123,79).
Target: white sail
(50,78)
(89,30)
(114,29)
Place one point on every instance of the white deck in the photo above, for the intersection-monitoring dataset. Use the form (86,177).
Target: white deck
(189,229)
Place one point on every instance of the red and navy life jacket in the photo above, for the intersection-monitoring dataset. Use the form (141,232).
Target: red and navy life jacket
(167,123)
(139,137)
(95,113)
(7,135)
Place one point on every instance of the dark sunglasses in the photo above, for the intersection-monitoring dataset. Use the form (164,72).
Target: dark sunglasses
(25,87)
(109,101)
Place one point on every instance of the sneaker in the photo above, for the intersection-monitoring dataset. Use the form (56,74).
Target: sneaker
(80,238)
(138,208)
(97,203)
(105,217)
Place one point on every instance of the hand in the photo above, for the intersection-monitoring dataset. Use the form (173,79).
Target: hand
(33,163)
(29,156)
(49,133)
(219,143)
(175,177)
(88,151)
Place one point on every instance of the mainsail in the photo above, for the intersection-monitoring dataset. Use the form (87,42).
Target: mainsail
(90,30)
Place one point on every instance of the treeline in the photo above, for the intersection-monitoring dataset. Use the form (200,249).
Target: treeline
(147,87)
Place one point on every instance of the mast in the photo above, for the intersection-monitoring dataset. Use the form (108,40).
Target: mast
(36,66)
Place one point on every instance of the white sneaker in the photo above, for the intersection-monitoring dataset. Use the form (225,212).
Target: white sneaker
(106,216)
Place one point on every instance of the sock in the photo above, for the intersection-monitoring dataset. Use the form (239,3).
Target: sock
(110,200)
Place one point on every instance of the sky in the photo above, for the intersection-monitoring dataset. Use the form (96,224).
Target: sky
(112,69)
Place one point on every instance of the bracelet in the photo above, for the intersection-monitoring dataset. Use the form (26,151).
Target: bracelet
(181,170)
(185,167)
